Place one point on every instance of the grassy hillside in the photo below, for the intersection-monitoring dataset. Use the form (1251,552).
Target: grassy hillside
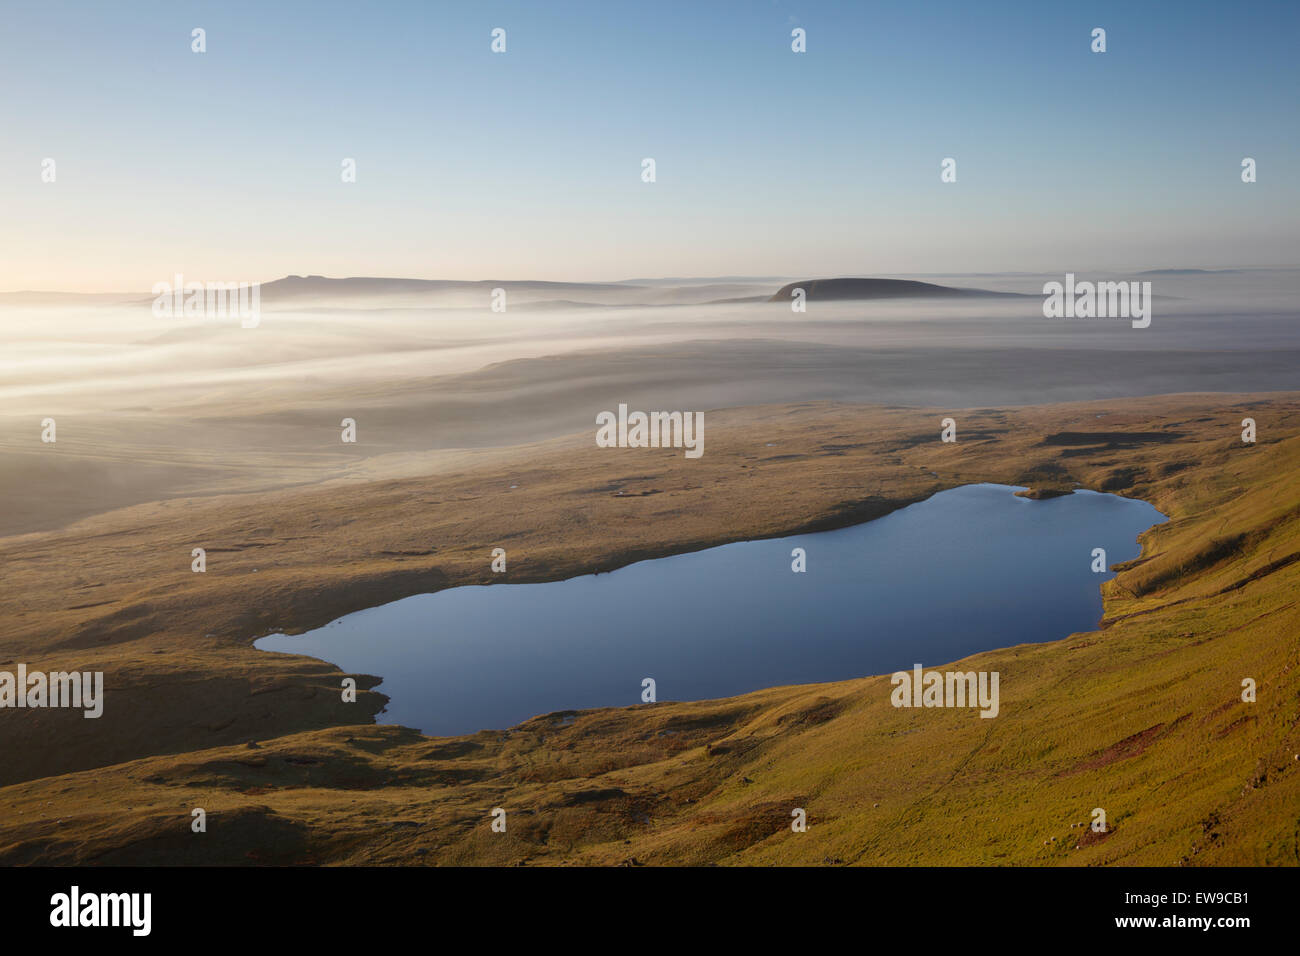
(1143,717)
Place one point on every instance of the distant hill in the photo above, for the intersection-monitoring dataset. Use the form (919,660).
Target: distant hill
(309,291)
(854,288)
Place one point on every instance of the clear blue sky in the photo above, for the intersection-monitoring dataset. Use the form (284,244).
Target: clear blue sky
(526,164)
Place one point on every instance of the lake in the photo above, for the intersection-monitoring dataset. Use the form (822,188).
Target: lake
(967,570)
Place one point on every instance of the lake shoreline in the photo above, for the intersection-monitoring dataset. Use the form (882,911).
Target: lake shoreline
(390,640)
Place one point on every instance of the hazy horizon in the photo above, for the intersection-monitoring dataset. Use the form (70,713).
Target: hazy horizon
(686,279)
(472,164)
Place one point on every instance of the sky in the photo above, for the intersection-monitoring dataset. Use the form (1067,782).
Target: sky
(527,164)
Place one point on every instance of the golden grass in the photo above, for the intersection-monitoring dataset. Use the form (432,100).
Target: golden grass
(1142,718)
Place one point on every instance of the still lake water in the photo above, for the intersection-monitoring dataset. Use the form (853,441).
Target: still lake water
(967,570)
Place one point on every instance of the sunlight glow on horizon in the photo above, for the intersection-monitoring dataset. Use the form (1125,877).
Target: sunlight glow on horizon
(472,165)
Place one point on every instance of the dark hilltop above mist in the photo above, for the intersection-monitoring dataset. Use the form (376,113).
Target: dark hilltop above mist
(855,288)
(612,293)
(822,289)
(310,291)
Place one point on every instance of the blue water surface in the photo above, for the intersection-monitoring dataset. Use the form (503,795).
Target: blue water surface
(966,570)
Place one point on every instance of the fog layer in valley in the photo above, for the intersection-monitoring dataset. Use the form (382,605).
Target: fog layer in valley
(150,408)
